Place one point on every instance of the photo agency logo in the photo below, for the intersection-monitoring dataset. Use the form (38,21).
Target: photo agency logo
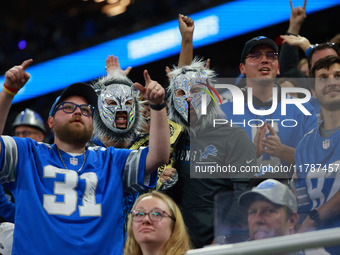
(208,151)
(283,99)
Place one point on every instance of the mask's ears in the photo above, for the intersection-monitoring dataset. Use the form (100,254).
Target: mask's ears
(135,91)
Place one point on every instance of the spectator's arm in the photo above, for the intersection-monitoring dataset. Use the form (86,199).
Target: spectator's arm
(327,212)
(186,27)
(15,79)
(159,142)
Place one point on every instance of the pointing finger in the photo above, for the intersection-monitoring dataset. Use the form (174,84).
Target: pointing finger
(147,78)
(26,63)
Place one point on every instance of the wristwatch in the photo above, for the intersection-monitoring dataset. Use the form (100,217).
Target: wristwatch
(314,216)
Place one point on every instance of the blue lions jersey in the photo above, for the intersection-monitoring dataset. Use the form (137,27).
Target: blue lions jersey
(318,171)
(290,127)
(75,211)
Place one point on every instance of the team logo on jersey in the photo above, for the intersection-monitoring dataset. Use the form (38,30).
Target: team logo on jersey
(210,150)
(74,161)
(326,143)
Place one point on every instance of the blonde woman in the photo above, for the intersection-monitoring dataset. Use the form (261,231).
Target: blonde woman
(156,226)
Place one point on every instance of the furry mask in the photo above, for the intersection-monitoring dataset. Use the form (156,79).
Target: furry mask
(191,81)
(117,116)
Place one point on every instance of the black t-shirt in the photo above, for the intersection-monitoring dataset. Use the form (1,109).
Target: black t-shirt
(224,146)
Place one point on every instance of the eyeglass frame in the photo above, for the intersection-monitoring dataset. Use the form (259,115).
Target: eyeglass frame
(276,54)
(153,211)
(61,107)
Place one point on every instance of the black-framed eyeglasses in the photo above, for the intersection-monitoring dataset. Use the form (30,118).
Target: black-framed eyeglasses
(69,107)
(154,216)
(271,55)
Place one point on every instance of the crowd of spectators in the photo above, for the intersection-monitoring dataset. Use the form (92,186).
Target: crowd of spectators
(271,212)
(48,29)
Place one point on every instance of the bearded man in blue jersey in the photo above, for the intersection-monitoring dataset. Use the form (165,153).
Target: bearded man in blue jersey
(318,155)
(69,196)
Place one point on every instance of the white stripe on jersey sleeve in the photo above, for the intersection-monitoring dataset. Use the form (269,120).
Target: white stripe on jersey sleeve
(7,173)
(131,173)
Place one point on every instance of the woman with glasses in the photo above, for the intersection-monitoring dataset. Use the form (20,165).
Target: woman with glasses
(156,226)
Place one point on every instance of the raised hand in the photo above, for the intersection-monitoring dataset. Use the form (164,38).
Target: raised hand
(152,91)
(299,41)
(16,77)
(186,26)
(112,64)
(297,17)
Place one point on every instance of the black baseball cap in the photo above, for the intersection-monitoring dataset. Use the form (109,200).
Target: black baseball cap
(76,89)
(256,41)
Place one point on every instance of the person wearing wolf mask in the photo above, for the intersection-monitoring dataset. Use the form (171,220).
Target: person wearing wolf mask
(118,121)
(202,143)
(138,135)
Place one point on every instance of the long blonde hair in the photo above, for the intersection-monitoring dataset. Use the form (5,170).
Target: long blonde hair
(178,242)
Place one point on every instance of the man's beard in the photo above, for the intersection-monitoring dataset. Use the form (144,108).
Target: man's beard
(75,135)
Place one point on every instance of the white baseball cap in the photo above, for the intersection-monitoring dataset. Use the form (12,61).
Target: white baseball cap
(272,190)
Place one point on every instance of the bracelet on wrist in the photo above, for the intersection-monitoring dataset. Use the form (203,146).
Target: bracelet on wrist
(308,50)
(10,91)
(314,216)
(158,107)
(288,33)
